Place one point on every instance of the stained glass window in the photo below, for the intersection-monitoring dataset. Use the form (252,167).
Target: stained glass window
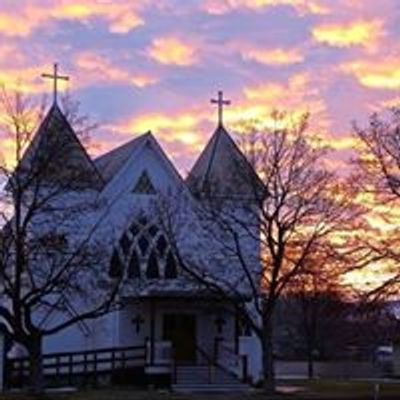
(143,243)
(134,266)
(125,244)
(115,265)
(152,266)
(170,267)
(161,245)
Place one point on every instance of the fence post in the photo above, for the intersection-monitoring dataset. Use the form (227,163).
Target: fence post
(245,368)
(376,391)
(95,368)
(70,369)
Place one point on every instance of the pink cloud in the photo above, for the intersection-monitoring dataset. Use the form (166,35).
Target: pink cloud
(173,51)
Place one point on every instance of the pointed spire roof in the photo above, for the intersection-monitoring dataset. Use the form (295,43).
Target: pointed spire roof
(222,169)
(56,153)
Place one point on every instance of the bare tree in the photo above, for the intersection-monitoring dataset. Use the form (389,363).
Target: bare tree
(268,225)
(318,302)
(52,268)
(378,176)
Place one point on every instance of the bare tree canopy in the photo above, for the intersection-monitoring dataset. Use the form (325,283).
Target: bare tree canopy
(378,176)
(52,268)
(283,207)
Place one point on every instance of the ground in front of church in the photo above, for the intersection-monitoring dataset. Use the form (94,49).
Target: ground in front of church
(295,390)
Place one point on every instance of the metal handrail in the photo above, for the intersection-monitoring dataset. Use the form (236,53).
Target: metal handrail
(241,359)
(212,362)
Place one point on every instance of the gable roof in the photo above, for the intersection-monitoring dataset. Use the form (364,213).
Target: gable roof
(110,163)
(56,153)
(113,162)
(223,169)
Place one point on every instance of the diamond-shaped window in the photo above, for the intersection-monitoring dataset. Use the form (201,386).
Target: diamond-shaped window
(144,185)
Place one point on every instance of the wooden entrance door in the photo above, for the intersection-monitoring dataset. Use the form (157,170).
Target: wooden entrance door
(180,329)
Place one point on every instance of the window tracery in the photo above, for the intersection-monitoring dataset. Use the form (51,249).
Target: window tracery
(145,252)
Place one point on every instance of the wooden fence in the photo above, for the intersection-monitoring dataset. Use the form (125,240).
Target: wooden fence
(68,368)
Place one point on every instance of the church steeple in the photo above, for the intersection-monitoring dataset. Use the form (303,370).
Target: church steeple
(222,169)
(56,154)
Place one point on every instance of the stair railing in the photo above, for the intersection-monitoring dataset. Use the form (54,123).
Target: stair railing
(231,361)
(213,363)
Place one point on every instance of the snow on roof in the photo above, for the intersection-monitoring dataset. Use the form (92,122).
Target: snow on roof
(110,163)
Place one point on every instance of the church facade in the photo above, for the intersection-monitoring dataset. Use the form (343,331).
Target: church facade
(150,221)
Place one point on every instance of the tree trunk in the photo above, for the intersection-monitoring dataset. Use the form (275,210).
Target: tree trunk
(310,362)
(36,364)
(268,358)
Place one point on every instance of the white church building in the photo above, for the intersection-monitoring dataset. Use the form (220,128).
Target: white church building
(181,323)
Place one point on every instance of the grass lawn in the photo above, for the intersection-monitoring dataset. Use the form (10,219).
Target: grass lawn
(304,390)
(344,389)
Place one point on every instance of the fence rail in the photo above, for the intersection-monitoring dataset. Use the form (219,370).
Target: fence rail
(67,365)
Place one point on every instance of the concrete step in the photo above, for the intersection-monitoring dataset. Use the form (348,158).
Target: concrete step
(199,378)
(206,379)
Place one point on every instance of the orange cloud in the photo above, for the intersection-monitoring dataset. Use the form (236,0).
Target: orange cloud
(297,96)
(394,102)
(99,69)
(341,143)
(189,127)
(120,16)
(355,33)
(275,56)
(302,6)
(173,51)
(382,73)
(12,24)
(125,22)
(26,79)
(182,126)
(295,93)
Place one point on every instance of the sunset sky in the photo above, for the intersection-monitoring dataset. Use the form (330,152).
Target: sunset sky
(139,65)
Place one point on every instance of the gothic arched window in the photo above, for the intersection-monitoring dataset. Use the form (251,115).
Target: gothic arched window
(161,245)
(125,244)
(134,266)
(144,251)
(170,267)
(143,244)
(115,265)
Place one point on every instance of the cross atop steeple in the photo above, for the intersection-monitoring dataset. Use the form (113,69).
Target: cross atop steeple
(221,103)
(55,77)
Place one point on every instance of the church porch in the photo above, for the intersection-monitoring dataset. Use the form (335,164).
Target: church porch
(183,332)
(190,329)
